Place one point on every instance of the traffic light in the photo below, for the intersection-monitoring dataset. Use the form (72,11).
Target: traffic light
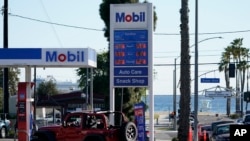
(232,70)
(247,96)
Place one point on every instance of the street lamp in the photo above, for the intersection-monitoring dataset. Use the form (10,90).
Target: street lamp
(174,80)
(216,37)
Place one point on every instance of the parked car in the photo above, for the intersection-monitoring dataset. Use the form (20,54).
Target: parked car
(201,132)
(246,119)
(5,125)
(248,112)
(222,132)
(239,120)
(214,124)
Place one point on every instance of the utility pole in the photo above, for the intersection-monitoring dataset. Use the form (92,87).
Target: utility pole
(174,96)
(195,134)
(87,88)
(5,70)
(35,95)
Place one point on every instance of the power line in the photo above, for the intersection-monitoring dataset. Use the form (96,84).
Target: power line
(94,29)
(37,20)
(189,64)
(166,52)
(205,55)
(52,26)
(211,63)
(207,33)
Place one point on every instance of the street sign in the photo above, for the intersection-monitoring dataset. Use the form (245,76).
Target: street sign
(210,80)
(218,93)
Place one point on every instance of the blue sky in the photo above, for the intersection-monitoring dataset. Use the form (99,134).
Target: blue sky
(215,16)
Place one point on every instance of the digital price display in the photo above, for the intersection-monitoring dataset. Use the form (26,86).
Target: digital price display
(130,48)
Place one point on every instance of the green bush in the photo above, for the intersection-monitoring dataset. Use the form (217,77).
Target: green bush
(11,134)
(234,116)
(175,139)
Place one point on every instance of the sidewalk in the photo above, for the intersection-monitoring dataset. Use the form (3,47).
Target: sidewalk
(164,128)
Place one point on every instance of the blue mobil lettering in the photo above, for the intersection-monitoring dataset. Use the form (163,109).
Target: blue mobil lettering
(54,56)
(122,17)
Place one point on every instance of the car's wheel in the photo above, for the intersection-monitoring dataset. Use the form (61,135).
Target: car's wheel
(130,131)
(3,132)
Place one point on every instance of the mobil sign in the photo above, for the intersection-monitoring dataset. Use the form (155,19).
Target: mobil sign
(63,56)
(71,57)
(129,16)
(74,56)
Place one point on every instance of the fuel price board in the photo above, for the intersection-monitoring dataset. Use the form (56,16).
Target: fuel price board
(130,57)
(130,48)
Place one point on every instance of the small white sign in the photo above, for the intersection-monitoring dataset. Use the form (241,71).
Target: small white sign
(218,93)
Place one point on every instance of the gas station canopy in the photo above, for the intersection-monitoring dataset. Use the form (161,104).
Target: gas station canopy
(40,57)
(48,57)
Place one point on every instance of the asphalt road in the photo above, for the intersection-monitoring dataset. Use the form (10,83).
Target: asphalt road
(162,135)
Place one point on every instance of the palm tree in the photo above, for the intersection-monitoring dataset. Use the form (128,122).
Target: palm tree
(185,74)
(239,55)
(223,66)
(242,67)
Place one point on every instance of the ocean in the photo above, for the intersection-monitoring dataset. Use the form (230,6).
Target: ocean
(164,103)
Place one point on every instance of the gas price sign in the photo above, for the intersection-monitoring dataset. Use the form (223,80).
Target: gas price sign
(130,48)
(130,57)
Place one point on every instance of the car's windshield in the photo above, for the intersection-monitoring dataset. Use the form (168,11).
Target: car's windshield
(214,124)
(247,118)
(223,129)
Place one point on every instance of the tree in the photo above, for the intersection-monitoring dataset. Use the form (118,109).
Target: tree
(46,89)
(240,56)
(185,74)
(13,80)
(130,97)
(100,77)
(223,66)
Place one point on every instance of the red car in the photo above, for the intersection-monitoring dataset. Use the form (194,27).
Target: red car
(204,130)
(89,126)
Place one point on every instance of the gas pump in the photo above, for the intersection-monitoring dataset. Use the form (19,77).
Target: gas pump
(23,110)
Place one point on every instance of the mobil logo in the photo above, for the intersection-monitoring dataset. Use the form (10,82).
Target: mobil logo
(55,56)
(133,17)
